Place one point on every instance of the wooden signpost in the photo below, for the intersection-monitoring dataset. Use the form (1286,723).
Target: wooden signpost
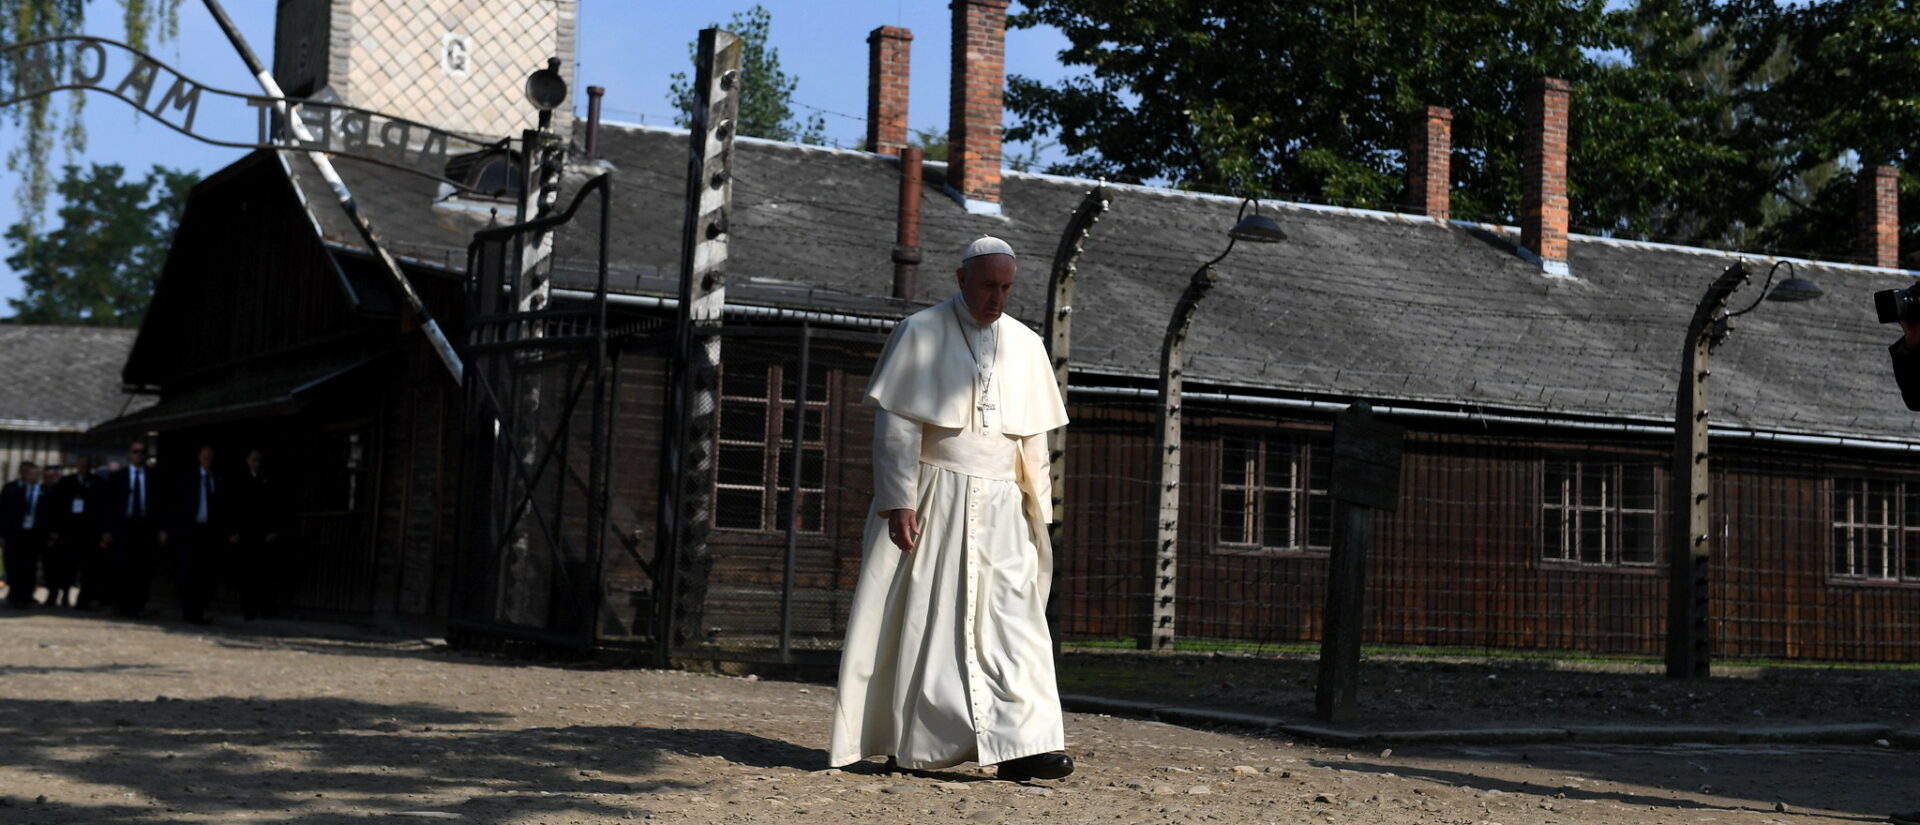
(1366,477)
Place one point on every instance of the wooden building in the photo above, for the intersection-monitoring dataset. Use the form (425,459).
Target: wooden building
(1535,370)
(60,381)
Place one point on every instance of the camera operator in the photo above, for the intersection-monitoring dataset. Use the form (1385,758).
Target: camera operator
(1906,362)
(1906,370)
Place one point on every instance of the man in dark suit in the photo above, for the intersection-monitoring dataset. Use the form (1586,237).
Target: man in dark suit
(55,575)
(130,531)
(259,517)
(202,535)
(24,506)
(76,515)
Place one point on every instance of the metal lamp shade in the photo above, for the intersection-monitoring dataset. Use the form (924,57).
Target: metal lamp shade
(1795,289)
(1257,228)
(546,90)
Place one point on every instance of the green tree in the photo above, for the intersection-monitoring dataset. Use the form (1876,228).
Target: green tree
(766,93)
(41,127)
(1849,97)
(1302,98)
(1686,115)
(932,144)
(99,267)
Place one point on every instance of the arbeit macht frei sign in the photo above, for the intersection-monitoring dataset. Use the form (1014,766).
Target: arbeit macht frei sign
(42,67)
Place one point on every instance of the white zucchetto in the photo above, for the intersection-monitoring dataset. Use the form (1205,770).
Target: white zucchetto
(987,245)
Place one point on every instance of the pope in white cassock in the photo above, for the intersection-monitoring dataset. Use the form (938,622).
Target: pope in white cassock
(947,658)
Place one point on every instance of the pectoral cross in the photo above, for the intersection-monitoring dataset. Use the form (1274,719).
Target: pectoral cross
(986,401)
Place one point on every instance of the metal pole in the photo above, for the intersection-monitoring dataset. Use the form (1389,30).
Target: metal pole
(1689,636)
(598,500)
(441,346)
(793,493)
(1059,334)
(687,461)
(594,93)
(906,245)
(1166,555)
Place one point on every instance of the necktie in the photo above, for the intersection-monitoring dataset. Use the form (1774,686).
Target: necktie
(33,502)
(139,496)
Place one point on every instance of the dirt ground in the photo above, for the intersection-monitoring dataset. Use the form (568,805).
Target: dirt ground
(149,722)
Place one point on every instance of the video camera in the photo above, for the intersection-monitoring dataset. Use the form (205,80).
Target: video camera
(1898,304)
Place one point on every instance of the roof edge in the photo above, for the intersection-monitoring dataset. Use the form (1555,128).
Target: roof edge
(1349,211)
(1402,405)
(33,425)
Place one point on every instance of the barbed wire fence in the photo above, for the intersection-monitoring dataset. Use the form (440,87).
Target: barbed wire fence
(1505,541)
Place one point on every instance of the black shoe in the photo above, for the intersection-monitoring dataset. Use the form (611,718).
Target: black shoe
(892,768)
(1904,818)
(1055,765)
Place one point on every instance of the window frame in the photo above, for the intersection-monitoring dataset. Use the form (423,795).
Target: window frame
(1305,450)
(776,417)
(1567,551)
(1902,554)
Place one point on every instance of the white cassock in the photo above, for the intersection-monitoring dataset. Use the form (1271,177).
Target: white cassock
(947,657)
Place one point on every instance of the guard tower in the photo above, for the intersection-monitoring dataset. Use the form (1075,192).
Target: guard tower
(454,64)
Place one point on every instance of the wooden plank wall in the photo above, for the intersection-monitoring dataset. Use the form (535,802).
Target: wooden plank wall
(41,448)
(1773,591)
(1458,564)
(639,409)
(207,305)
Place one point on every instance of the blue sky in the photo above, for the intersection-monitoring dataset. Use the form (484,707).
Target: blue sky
(628,46)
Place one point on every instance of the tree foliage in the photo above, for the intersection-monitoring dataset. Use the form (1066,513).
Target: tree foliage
(1849,91)
(766,93)
(934,146)
(1709,122)
(40,125)
(100,265)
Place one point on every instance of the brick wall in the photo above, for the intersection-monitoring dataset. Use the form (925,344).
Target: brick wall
(979,72)
(1543,205)
(888,49)
(391,56)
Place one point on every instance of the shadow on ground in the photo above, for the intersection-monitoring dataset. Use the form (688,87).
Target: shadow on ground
(329,759)
(1703,780)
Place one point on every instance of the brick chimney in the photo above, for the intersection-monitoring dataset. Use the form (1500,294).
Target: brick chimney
(1543,162)
(1877,238)
(887,51)
(979,73)
(1429,166)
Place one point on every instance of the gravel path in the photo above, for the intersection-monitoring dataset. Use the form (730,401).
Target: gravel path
(144,722)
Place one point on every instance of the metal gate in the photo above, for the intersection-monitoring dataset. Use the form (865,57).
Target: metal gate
(780,550)
(539,388)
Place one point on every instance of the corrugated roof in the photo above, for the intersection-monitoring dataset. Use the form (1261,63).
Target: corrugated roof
(1387,307)
(63,378)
